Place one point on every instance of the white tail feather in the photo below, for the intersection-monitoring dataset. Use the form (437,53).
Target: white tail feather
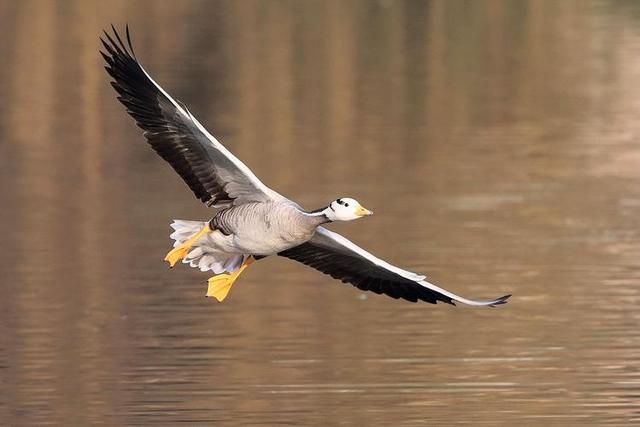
(202,255)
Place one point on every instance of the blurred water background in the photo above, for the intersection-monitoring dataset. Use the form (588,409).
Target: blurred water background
(497,141)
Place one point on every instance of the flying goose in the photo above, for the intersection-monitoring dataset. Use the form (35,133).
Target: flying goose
(254,221)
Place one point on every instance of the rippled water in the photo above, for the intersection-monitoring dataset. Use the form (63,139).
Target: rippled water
(496,141)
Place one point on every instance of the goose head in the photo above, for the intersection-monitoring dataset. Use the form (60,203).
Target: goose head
(345,209)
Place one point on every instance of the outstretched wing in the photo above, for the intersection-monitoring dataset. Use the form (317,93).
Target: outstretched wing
(338,257)
(216,176)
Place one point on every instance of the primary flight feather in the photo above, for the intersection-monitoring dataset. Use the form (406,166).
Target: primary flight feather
(253,221)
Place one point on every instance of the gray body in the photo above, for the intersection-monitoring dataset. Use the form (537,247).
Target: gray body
(263,228)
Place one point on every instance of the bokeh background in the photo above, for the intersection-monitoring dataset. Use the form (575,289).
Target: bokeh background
(497,141)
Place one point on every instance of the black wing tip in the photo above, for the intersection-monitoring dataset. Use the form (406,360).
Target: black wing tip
(128,34)
(499,301)
(117,44)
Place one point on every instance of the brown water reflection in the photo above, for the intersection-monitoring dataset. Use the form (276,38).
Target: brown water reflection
(497,141)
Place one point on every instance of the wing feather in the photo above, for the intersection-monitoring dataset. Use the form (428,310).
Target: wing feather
(214,174)
(340,258)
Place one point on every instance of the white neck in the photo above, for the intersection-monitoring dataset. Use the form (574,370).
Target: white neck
(327,213)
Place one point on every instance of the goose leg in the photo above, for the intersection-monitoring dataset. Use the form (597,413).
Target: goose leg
(176,254)
(220,285)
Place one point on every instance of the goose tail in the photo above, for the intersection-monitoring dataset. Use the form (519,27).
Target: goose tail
(202,252)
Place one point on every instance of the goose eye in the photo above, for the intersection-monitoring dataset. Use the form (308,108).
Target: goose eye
(346,205)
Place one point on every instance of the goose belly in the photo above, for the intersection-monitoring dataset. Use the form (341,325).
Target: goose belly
(264,240)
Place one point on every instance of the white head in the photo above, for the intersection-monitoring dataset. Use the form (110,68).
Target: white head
(345,209)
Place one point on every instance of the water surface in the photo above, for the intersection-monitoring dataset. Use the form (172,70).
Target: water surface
(496,141)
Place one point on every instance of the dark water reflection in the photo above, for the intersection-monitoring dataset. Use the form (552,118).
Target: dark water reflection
(497,141)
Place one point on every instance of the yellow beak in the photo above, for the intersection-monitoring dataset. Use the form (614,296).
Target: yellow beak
(362,211)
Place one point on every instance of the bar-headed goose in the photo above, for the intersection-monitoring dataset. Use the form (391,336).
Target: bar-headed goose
(253,221)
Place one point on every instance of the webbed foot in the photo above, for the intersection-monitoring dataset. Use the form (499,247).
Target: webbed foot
(220,285)
(178,253)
